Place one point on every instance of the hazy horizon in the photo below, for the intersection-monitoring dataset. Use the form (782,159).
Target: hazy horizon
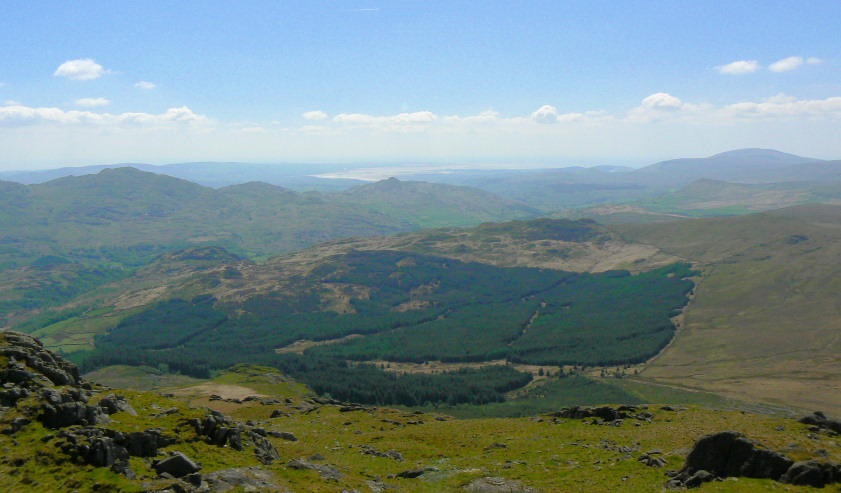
(434,82)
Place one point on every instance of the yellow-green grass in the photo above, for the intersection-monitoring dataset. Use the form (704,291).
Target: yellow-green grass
(77,333)
(765,322)
(568,455)
(543,453)
(138,377)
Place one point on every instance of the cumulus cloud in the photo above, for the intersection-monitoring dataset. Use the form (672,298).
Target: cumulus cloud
(545,114)
(92,102)
(12,102)
(660,100)
(82,69)
(658,106)
(786,64)
(19,115)
(739,67)
(148,86)
(315,115)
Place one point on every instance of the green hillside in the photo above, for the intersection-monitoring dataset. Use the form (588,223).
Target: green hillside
(764,322)
(124,218)
(408,307)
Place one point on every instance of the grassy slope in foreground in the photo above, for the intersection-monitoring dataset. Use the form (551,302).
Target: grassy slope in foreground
(765,321)
(567,455)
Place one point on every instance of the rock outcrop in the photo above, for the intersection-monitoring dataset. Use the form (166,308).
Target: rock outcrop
(731,454)
(38,385)
(821,422)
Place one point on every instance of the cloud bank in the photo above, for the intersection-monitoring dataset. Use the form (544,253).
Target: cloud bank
(17,115)
(660,125)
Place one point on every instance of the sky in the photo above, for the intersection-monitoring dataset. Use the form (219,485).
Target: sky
(382,82)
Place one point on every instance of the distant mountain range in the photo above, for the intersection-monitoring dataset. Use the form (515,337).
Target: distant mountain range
(122,209)
(740,166)
(209,174)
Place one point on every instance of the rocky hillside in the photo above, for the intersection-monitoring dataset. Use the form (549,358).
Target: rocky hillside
(60,433)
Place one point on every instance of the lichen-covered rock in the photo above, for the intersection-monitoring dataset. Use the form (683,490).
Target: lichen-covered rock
(177,465)
(23,348)
(113,403)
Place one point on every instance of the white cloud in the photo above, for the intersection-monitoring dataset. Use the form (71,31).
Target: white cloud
(145,85)
(783,107)
(315,115)
(781,98)
(786,64)
(483,118)
(92,102)
(12,102)
(402,118)
(658,106)
(23,116)
(660,100)
(739,67)
(814,61)
(82,69)
(545,114)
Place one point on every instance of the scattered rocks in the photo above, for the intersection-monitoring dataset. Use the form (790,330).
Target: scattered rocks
(324,470)
(651,460)
(603,414)
(350,408)
(819,420)
(379,486)
(391,454)
(61,401)
(497,485)
(245,478)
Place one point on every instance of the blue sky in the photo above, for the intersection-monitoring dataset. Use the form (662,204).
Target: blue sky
(554,83)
